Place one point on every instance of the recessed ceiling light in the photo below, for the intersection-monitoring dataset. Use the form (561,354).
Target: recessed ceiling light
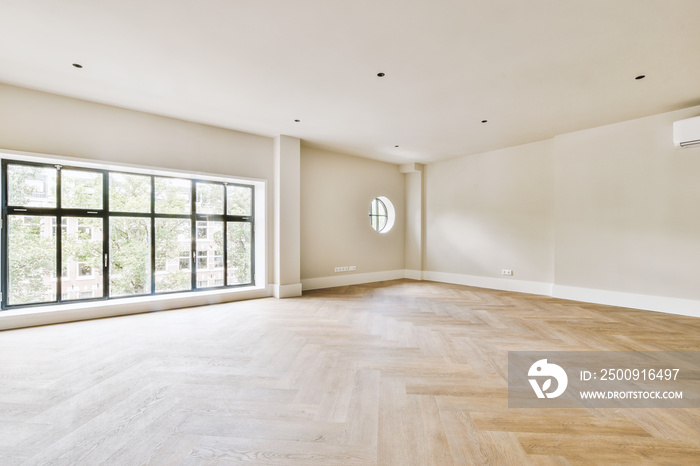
(77,65)
(484,121)
(396,145)
(381,75)
(641,76)
(297,121)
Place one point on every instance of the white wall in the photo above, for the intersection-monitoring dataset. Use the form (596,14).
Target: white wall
(34,121)
(489,212)
(609,215)
(46,123)
(627,209)
(336,191)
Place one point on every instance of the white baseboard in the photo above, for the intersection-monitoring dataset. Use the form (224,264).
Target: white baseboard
(505,284)
(351,279)
(684,307)
(414,274)
(286,291)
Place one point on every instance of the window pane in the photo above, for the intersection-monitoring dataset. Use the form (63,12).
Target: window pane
(381,208)
(202,231)
(239,200)
(31,256)
(81,249)
(129,256)
(173,196)
(64,226)
(31,186)
(173,242)
(129,193)
(378,214)
(185,257)
(202,262)
(207,250)
(210,198)
(81,189)
(239,252)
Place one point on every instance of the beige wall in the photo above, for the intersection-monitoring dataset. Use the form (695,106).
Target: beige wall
(50,124)
(336,191)
(615,208)
(609,209)
(627,209)
(492,211)
(35,121)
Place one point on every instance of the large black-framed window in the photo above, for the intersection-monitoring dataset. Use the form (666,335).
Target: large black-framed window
(121,234)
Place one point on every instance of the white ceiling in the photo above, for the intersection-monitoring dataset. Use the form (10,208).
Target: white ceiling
(533,69)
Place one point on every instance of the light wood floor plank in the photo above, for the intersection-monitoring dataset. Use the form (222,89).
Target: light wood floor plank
(390,373)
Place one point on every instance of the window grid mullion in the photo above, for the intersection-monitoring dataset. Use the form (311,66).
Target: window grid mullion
(225,233)
(106,233)
(59,238)
(193,232)
(3,259)
(153,236)
(59,213)
(252,234)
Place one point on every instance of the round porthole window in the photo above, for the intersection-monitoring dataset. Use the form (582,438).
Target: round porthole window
(381,214)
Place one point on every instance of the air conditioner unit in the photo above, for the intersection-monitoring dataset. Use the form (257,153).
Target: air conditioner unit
(686,132)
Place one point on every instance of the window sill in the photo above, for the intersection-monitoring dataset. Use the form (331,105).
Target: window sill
(74,311)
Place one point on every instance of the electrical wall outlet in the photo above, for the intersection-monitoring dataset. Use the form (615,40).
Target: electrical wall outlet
(507,272)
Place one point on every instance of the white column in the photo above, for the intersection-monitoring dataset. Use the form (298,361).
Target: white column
(287,218)
(413,237)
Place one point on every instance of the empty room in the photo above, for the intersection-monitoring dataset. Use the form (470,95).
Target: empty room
(349,232)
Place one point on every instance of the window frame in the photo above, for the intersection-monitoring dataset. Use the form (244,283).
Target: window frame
(375,218)
(59,213)
(389,214)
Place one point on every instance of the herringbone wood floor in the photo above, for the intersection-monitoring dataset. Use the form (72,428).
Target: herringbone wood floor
(399,372)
